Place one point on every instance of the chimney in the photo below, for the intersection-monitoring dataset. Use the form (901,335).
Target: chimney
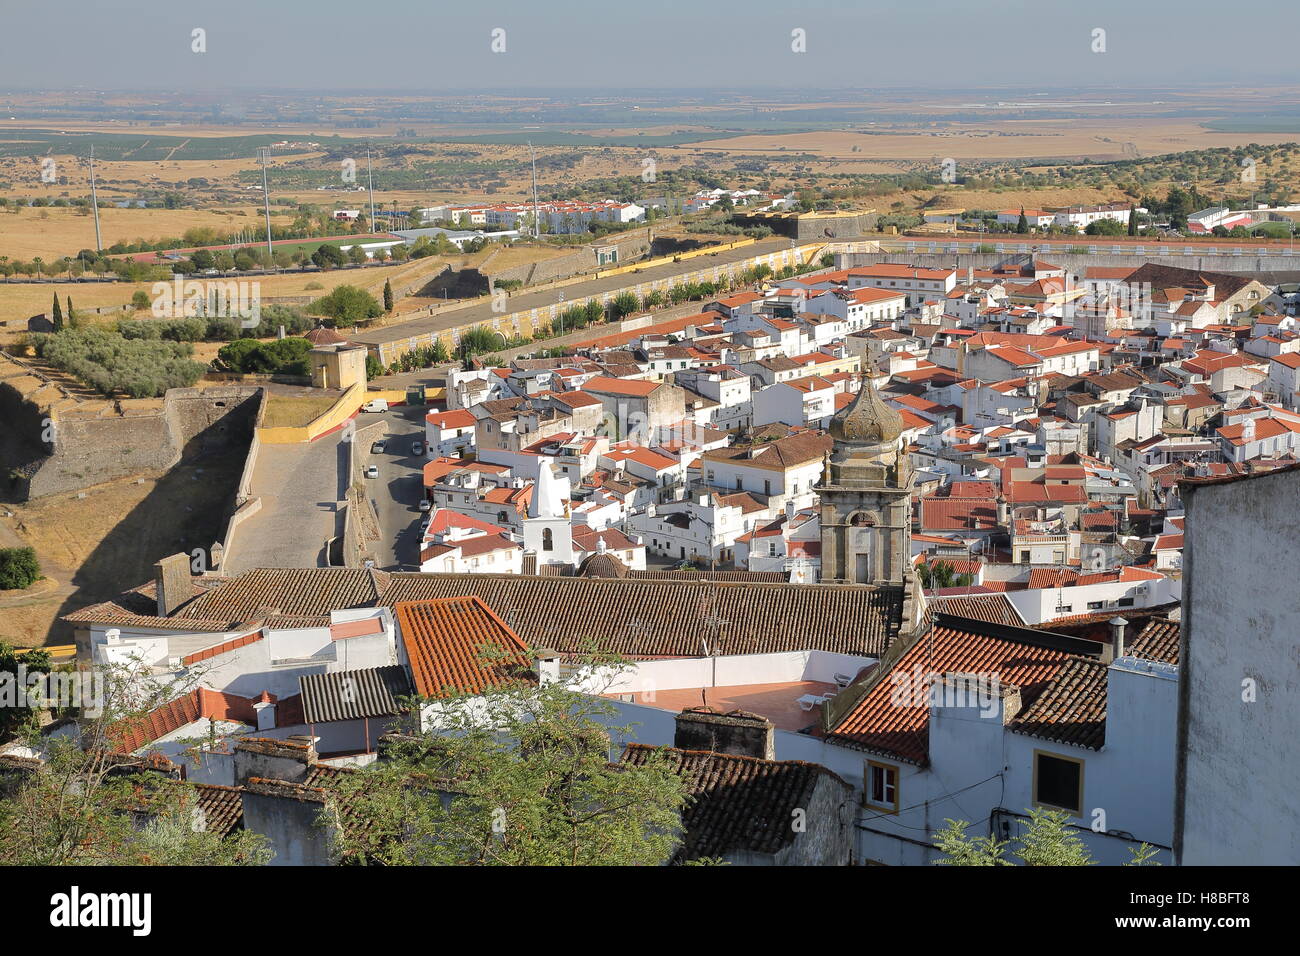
(264,707)
(1117,648)
(739,733)
(548,667)
(1004,512)
(172,583)
(288,760)
(789,510)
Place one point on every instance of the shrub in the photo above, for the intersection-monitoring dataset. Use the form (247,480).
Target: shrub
(18,568)
(278,357)
(109,362)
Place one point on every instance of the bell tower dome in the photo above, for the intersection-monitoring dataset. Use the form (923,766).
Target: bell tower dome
(866,494)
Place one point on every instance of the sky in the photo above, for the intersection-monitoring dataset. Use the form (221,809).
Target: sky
(440,45)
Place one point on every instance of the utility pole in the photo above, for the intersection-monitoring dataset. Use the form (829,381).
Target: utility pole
(94,201)
(370,176)
(266,203)
(537,224)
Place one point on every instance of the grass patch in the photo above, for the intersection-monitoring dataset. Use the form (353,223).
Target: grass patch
(285,412)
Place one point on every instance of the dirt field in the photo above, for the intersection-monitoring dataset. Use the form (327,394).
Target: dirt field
(57,231)
(95,547)
(1010,139)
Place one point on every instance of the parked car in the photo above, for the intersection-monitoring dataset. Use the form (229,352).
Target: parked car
(372,471)
(425,504)
(417,448)
(377,448)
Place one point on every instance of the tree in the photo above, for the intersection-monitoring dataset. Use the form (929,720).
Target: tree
(1022,224)
(57,315)
(388,296)
(89,802)
(346,305)
(1047,840)
(1105,227)
(72,316)
(139,299)
(1132,221)
(327,256)
(941,574)
(18,568)
(14,669)
(624,304)
(520,777)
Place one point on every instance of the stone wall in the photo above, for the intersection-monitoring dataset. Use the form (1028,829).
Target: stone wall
(94,447)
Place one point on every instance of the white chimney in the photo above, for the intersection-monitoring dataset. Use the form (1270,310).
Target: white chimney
(548,667)
(265,711)
(113,636)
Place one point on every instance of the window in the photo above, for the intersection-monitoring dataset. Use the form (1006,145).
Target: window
(547,543)
(882,786)
(1058,782)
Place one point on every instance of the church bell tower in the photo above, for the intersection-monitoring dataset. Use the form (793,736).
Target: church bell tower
(866,495)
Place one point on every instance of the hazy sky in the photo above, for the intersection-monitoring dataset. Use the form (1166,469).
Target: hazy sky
(622,44)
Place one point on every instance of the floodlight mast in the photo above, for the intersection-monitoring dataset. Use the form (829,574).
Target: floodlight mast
(94,201)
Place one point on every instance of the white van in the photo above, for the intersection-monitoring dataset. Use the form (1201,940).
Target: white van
(375,405)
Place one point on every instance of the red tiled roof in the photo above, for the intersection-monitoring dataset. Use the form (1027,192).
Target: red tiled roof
(458,645)
(896,723)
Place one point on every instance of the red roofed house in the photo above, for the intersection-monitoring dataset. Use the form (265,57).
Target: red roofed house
(993,719)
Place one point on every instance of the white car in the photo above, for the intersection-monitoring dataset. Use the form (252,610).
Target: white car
(372,471)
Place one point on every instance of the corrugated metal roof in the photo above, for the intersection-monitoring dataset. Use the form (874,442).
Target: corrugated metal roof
(351,695)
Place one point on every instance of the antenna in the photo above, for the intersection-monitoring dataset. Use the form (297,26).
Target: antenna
(537,224)
(370,176)
(265,153)
(94,201)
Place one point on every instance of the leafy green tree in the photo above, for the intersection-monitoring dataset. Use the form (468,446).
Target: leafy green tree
(347,305)
(388,296)
(941,574)
(139,299)
(327,257)
(18,568)
(1105,227)
(89,803)
(520,778)
(1022,224)
(17,712)
(1047,840)
(1132,221)
(57,318)
(624,304)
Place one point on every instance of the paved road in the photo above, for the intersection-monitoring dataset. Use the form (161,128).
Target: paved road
(397,491)
(300,487)
(574,293)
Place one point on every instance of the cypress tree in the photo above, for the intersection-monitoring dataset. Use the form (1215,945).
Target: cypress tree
(58,314)
(388,296)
